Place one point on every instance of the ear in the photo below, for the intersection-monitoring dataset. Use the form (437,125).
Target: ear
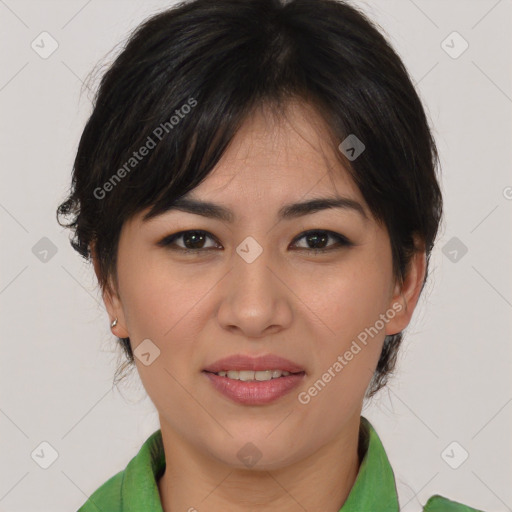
(111,300)
(405,297)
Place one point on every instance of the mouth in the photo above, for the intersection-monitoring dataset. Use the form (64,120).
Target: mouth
(259,376)
(248,367)
(252,391)
(249,380)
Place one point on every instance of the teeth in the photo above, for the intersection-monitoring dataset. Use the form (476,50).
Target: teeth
(246,375)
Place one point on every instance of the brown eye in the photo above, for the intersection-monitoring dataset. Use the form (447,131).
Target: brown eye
(193,241)
(316,240)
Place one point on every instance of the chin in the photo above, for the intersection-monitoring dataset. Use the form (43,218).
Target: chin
(257,453)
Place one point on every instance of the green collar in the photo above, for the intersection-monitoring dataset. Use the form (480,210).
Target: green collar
(374,488)
(136,489)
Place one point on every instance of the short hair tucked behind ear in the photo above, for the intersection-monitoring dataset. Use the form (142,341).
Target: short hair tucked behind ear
(197,70)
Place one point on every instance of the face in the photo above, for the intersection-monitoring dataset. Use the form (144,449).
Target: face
(259,284)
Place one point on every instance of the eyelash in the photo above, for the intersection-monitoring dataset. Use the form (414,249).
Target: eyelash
(168,241)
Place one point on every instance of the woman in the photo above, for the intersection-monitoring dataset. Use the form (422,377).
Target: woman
(257,190)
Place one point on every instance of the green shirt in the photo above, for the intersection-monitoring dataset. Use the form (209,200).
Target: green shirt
(135,489)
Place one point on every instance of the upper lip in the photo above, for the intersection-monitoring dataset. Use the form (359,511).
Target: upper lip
(259,363)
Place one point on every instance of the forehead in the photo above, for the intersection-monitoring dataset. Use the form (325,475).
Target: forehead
(277,167)
(279,158)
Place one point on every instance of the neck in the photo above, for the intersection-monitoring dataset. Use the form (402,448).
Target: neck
(321,482)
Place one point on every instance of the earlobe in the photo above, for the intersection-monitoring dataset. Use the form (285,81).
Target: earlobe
(405,296)
(116,315)
(112,302)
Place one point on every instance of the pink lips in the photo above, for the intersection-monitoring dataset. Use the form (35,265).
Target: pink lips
(260,363)
(254,392)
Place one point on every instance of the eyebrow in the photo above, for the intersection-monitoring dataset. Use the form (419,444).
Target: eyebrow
(287,212)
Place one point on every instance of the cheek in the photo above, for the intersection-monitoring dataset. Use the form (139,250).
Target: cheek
(347,298)
(160,299)
(345,303)
(164,306)
(165,303)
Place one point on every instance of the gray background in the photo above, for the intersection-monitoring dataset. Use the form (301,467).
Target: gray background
(58,355)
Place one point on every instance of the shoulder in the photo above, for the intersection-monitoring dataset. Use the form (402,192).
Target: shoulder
(136,485)
(438,503)
(108,496)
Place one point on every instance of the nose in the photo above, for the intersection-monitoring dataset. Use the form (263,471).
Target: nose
(255,301)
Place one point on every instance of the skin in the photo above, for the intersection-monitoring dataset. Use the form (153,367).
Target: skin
(303,306)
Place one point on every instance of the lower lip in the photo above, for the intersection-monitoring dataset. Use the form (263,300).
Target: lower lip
(255,392)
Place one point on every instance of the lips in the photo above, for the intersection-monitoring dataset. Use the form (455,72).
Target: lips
(260,363)
(251,393)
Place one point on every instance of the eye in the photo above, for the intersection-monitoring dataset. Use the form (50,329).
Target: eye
(193,241)
(319,237)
